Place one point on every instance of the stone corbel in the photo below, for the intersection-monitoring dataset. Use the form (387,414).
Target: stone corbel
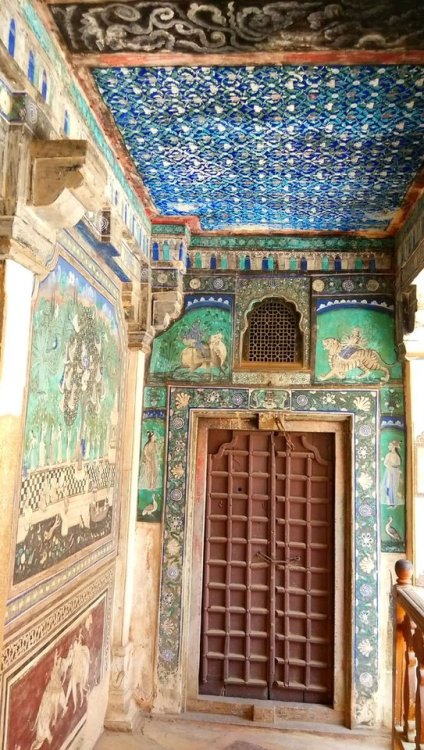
(412,346)
(136,300)
(67,179)
(166,307)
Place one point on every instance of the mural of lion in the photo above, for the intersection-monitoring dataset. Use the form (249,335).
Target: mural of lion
(342,359)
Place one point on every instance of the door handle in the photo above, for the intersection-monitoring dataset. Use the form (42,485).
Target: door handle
(269,559)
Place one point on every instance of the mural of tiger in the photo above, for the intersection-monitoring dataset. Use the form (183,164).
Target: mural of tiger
(343,359)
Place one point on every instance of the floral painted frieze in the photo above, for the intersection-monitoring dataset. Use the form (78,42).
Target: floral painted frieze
(361,406)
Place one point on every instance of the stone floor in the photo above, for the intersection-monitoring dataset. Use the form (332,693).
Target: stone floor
(184,734)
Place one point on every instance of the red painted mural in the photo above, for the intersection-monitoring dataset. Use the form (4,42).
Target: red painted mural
(48,703)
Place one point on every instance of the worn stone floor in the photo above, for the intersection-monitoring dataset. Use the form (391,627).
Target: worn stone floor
(182,734)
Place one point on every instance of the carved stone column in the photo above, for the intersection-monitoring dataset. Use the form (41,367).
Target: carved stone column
(122,710)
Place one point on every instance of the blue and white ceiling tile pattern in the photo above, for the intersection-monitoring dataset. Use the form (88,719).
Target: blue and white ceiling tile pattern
(297,147)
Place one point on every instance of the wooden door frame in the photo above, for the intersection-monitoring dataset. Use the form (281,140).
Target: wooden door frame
(340,426)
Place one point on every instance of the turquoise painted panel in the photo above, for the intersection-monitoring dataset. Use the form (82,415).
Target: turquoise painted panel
(196,348)
(154,397)
(68,472)
(392,400)
(355,341)
(152,457)
(392,484)
(269,399)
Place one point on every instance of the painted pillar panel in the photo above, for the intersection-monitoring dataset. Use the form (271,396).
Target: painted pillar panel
(69,453)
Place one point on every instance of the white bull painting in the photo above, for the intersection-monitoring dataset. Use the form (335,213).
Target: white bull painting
(69,678)
(212,354)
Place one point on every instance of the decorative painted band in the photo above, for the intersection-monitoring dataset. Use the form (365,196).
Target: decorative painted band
(281,261)
(337,244)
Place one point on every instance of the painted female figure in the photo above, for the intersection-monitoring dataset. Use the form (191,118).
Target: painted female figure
(149,460)
(393,472)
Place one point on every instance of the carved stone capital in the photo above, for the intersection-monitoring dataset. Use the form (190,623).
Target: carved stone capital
(67,179)
(36,252)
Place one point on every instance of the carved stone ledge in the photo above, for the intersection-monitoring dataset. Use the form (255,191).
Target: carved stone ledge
(67,179)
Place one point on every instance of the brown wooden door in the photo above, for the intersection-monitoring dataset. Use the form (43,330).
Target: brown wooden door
(268,586)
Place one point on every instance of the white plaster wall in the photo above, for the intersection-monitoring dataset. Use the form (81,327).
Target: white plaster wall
(96,709)
(144,621)
(385,637)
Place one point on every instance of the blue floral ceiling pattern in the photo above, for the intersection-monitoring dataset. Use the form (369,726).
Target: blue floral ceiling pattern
(294,148)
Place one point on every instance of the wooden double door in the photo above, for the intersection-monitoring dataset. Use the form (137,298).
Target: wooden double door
(268,580)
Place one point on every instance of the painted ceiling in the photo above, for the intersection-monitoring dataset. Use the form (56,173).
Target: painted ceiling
(298,148)
(240,25)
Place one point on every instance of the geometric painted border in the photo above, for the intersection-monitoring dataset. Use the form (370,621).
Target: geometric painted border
(362,406)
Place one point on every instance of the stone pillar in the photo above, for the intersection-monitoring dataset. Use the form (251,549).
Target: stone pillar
(16,288)
(122,709)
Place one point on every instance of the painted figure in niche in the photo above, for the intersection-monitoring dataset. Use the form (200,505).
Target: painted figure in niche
(150,461)
(393,473)
(350,353)
(199,354)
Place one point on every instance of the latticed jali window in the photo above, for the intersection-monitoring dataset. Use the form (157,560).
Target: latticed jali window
(273,334)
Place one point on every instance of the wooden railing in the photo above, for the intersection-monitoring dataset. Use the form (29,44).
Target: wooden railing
(408,660)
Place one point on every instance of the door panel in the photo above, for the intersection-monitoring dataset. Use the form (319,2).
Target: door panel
(268,599)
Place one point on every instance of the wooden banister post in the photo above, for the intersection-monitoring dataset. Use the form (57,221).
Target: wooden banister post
(404,570)
(401,672)
(419,702)
(410,680)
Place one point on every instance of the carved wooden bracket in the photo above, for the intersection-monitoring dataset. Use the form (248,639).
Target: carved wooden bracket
(67,179)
